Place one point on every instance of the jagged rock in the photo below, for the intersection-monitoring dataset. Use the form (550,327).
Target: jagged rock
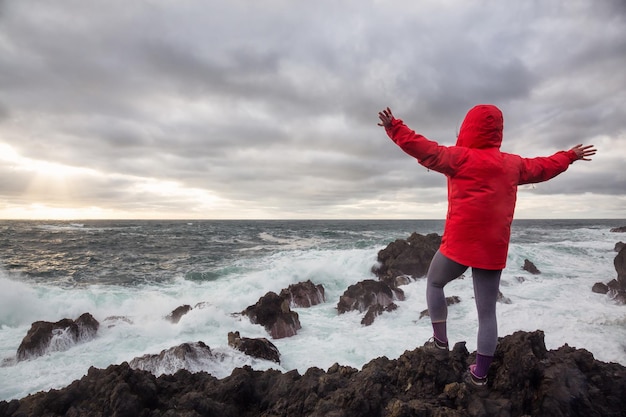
(178,312)
(44,336)
(375,311)
(455,299)
(502,299)
(620,297)
(600,288)
(362,295)
(258,348)
(618,246)
(530,267)
(620,267)
(621,229)
(189,356)
(273,312)
(616,288)
(304,294)
(525,379)
(410,257)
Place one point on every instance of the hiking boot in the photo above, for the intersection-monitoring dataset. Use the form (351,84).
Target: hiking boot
(439,349)
(471,379)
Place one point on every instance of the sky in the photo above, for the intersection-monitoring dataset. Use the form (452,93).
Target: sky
(248,109)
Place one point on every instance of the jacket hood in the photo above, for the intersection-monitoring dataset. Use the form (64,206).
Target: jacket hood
(481,128)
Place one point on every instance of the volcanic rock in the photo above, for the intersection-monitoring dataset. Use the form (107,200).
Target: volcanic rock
(362,295)
(375,311)
(410,257)
(273,312)
(525,379)
(258,348)
(621,229)
(600,288)
(304,294)
(190,356)
(44,336)
(620,267)
(178,312)
(530,267)
(455,299)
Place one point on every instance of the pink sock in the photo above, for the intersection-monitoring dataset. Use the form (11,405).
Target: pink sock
(440,331)
(482,365)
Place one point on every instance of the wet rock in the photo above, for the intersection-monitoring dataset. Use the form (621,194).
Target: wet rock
(502,299)
(191,356)
(375,311)
(274,313)
(600,288)
(621,229)
(620,267)
(304,294)
(530,267)
(455,299)
(177,313)
(362,295)
(618,246)
(410,257)
(257,348)
(616,288)
(525,379)
(44,336)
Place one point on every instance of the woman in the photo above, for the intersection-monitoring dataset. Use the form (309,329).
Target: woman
(482,191)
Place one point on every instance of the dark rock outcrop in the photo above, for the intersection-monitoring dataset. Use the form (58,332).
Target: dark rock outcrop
(365,294)
(274,313)
(455,299)
(525,379)
(184,356)
(621,229)
(374,297)
(178,312)
(616,288)
(530,267)
(410,257)
(620,267)
(618,246)
(44,336)
(304,294)
(375,311)
(600,288)
(257,348)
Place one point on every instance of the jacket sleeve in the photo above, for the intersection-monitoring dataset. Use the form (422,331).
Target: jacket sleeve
(540,169)
(428,153)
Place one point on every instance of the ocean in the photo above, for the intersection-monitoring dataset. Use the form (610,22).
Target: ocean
(131,274)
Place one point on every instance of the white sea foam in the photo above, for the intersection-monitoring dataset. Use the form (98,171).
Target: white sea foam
(558,301)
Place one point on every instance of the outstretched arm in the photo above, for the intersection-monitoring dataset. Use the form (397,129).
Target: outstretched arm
(427,152)
(544,168)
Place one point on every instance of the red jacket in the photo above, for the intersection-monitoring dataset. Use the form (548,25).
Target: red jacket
(482,184)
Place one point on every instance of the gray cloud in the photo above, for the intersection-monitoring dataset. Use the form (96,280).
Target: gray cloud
(274,105)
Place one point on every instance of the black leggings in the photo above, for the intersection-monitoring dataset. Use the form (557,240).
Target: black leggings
(486,285)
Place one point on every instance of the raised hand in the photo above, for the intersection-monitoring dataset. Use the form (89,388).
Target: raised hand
(385,118)
(584,152)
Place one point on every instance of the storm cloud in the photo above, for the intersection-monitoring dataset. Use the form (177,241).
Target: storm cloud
(246,109)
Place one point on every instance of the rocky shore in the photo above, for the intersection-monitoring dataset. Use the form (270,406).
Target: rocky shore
(525,380)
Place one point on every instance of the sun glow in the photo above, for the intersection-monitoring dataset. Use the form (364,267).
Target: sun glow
(53,191)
